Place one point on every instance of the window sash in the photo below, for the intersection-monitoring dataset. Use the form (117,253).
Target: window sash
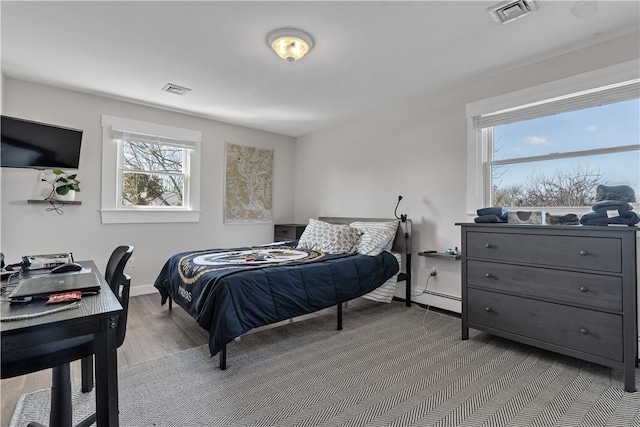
(479,149)
(590,98)
(568,154)
(122,170)
(184,162)
(152,139)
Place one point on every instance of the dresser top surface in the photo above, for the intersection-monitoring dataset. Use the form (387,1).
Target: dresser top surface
(547,227)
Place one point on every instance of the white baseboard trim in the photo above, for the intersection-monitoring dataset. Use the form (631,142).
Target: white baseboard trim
(440,300)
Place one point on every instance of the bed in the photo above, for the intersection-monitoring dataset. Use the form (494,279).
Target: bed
(231,291)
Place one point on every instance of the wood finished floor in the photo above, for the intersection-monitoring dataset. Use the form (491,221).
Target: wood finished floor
(152,331)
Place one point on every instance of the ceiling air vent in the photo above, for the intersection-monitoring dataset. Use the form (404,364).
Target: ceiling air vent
(511,10)
(178,90)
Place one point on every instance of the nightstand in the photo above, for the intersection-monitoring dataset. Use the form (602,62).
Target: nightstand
(285,232)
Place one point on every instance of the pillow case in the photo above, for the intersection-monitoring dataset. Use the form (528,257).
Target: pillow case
(329,238)
(376,236)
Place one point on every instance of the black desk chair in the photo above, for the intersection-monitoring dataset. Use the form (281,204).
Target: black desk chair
(115,269)
(60,354)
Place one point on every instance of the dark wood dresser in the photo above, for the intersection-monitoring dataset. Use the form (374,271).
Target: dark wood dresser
(284,232)
(568,289)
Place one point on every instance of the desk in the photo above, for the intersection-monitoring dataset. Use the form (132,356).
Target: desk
(97,315)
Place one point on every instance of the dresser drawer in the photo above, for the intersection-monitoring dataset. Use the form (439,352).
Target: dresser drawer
(588,253)
(284,232)
(592,290)
(579,329)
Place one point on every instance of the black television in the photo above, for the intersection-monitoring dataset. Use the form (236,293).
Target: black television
(28,144)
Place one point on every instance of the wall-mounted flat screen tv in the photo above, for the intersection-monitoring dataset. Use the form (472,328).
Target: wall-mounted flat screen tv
(27,144)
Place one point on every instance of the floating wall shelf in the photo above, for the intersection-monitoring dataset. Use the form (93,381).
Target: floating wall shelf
(32,201)
(439,255)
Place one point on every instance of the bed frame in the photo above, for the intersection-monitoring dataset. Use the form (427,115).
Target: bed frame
(401,244)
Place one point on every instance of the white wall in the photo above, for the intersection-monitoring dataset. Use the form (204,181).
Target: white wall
(418,150)
(29,229)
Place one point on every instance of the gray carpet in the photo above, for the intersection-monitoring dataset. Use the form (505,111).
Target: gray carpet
(390,366)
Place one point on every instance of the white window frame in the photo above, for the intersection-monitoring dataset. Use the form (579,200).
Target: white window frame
(479,146)
(112,211)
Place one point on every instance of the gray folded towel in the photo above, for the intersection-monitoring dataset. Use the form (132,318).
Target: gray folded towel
(601,218)
(492,211)
(611,205)
(491,218)
(623,193)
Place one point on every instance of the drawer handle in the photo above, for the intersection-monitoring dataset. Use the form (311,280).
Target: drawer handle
(488,245)
(584,331)
(584,253)
(488,275)
(488,309)
(584,289)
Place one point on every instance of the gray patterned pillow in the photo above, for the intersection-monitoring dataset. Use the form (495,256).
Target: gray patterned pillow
(329,238)
(376,236)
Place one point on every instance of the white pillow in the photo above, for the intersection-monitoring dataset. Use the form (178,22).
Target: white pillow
(329,238)
(376,236)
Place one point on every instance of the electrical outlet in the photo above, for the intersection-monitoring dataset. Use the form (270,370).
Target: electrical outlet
(433,271)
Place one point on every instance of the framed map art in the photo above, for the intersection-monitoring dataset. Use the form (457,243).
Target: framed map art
(248,193)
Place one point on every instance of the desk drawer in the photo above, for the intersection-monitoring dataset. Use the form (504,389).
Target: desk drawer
(579,329)
(588,253)
(593,290)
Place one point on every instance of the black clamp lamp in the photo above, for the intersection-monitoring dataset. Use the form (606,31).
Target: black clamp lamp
(402,217)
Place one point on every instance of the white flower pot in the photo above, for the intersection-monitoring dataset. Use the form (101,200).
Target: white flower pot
(69,197)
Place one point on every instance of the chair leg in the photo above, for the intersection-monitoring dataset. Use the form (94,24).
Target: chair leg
(86,365)
(91,419)
(61,411)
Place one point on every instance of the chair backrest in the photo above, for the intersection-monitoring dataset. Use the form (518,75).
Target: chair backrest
(117,262)
(120,283)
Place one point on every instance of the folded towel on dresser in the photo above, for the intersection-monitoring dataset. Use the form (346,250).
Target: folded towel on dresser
(491,218)
(615,192)
(602,218)
(611,205)
(492,211)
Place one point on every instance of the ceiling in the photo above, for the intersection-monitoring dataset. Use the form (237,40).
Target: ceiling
(367,55)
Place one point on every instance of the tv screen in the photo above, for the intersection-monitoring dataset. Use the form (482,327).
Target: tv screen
(27,144)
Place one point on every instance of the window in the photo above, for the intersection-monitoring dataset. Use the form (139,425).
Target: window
(553,153)
(151,172)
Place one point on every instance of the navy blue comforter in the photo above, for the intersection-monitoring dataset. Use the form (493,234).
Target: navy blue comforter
(230,291)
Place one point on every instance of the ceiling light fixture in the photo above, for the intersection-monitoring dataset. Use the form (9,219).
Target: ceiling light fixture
(290,44)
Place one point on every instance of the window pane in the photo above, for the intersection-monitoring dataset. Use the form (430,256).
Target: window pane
(563,182)
(142,156)
(607,126)
(140,189)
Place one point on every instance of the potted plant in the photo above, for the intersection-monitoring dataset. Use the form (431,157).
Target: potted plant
(63,186)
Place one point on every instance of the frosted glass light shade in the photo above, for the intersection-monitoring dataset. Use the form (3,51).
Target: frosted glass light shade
(290,44)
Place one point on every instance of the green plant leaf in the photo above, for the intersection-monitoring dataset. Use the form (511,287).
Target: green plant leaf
(72,176)
(58,172)
(63,190)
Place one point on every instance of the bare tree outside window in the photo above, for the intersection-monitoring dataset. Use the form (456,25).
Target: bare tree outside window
(571,187)
(153,174)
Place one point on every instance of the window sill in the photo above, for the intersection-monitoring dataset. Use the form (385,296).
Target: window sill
(117,216)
